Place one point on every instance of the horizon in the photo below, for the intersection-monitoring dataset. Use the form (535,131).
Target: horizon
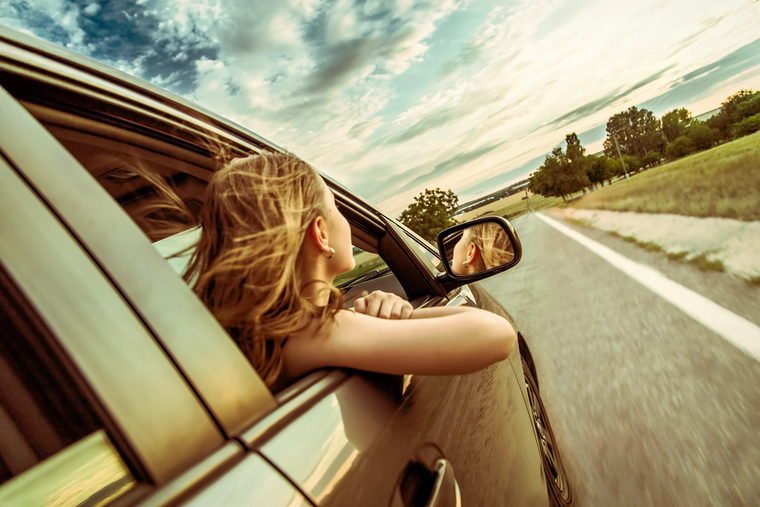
(467,95)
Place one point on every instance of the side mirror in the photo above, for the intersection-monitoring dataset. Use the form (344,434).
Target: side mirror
(478,249)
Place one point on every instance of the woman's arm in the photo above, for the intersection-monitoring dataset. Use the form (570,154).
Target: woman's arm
(436,341)
(439,311)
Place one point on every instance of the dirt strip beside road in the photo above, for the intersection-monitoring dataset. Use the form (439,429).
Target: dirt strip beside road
(734,243)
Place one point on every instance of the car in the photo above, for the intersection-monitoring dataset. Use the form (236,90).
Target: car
(119,386)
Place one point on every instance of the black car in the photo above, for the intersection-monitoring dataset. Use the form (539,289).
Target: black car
(119,386)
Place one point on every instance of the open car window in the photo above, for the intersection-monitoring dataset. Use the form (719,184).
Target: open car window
(368,265)
(371,271)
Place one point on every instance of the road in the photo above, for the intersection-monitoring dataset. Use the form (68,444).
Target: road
(650,406)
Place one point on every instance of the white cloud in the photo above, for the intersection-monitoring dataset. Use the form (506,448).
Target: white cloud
(91,9)
(320,78)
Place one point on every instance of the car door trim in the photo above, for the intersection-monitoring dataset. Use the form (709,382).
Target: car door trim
(269,425)
(196,477)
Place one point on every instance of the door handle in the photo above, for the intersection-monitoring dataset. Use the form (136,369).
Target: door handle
(430,487)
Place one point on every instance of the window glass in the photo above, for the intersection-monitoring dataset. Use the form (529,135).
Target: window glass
(420,250)
(176,249)
(367,263)
(432,258)
(53,448)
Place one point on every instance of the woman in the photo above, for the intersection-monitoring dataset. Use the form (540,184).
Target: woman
(481,247)
(273,241)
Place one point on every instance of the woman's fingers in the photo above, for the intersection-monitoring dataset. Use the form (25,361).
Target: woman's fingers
(388,309)
(383,305)
(374,304)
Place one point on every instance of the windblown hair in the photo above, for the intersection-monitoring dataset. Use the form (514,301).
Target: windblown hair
(247,266)
(493,243)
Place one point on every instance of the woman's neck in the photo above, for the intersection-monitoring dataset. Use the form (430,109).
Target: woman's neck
(316,283)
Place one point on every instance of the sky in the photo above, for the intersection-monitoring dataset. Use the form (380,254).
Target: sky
(393,97)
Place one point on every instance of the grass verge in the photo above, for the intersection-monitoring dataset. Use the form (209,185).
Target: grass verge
(721,182)
(536,202)
(701,261)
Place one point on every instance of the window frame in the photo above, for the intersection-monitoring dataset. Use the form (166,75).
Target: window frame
(96,331)
(210,361)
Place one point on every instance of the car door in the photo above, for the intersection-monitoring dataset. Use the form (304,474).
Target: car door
(94,408)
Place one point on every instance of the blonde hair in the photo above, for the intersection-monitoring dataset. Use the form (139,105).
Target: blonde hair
(493,243)
(247,264)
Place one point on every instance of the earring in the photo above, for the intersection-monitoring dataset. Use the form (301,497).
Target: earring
(464,264)
(332,252)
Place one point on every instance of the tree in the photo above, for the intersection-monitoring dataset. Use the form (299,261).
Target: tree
(702,136)
(599,169)
(746,109)
(651,159)
(730,113)
(632,164)
(575,177)
(614,167)
(541,184)
(637,132)
(675,122)
(563,173)
(745,127)
(430,213)
(680,148)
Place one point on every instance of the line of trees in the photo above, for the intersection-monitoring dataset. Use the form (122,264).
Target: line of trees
(642,141)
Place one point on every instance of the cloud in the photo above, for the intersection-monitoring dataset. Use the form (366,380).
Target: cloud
(91,9)
(453,93)
(447,166)
(364,129)
(604,102)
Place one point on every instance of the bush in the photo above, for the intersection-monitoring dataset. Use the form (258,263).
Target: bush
(632,163)
(746,127)
(702,136)
(681,147)
(652,158)
(747,109)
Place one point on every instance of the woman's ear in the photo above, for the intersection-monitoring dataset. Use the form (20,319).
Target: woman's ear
(317,235)
(472,253)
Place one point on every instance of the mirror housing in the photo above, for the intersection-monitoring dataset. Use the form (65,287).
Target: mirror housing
(448,238)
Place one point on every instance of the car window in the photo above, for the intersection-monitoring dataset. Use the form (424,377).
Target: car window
(54,450)
(417,245)
(367,263)
(177,249)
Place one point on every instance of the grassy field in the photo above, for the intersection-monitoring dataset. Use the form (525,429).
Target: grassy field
(490,208)
(512,206)
(721,182)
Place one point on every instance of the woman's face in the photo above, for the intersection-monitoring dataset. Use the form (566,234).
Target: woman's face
(339,232)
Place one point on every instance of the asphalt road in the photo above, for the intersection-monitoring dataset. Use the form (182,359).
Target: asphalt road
(650,407)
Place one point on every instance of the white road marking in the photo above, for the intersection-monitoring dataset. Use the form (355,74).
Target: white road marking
(737,330)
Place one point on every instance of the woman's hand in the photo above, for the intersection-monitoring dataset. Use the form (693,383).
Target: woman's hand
(383,305)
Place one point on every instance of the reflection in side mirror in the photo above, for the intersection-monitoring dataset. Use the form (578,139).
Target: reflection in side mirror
(483,245)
